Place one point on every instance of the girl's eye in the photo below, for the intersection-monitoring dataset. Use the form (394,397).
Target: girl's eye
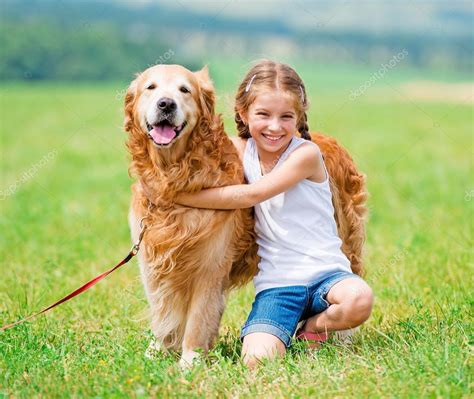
(184,89)
(262,114)
(287,116)
(151,86)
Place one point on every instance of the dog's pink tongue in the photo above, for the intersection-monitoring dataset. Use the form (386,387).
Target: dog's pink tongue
(163,134)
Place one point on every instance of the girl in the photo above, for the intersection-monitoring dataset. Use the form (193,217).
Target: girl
(303,274)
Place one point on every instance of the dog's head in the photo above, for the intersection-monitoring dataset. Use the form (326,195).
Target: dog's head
(165,103)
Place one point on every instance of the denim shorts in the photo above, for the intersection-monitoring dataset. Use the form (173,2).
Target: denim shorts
(277,311)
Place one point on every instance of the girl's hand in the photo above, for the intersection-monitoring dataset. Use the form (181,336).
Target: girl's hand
(183,198)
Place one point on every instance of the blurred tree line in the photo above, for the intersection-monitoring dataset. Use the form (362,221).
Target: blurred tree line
(106,40)
(40,50)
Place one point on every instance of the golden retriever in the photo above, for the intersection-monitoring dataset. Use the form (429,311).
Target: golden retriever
(190,258)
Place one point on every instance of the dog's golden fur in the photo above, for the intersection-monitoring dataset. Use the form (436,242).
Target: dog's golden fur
(189,257)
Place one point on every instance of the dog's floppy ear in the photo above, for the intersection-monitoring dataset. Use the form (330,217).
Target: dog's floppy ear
(130,98)
(207,96)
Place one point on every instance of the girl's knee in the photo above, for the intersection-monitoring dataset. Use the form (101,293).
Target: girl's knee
(360,305)
(261,346)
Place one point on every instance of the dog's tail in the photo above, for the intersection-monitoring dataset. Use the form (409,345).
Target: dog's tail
(349,196)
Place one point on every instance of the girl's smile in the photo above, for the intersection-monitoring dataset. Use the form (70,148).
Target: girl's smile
(272,139)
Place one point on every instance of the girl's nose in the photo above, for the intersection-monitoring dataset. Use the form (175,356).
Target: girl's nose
(274,125)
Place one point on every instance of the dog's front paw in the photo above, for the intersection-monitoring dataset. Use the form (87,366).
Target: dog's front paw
(153,350)
(189,359)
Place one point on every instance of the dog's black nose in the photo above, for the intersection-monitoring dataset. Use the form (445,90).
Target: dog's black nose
(166,104)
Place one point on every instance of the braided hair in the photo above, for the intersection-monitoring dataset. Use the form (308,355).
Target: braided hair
(271,75)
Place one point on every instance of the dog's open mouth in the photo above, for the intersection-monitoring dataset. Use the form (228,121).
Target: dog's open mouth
(164,132)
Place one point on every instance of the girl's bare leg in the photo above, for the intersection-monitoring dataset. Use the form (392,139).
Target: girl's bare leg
(351,304)
(258,346)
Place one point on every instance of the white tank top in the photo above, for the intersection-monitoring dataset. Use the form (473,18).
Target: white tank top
(296,230)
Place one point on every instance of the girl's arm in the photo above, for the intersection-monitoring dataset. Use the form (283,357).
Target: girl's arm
(302,163)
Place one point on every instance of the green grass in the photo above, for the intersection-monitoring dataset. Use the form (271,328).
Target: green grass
(67,222)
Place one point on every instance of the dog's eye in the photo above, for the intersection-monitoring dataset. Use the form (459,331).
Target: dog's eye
(184,89)
(151,86)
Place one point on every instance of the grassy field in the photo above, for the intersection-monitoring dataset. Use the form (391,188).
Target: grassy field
(64,201)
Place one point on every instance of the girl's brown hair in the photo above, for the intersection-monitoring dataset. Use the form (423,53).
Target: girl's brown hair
(275,76)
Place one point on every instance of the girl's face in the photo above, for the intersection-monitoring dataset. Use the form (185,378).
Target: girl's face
(272,119)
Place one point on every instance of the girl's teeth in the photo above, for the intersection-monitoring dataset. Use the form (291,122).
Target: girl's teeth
(272,138)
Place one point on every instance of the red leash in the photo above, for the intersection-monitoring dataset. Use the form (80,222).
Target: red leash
(89,284)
